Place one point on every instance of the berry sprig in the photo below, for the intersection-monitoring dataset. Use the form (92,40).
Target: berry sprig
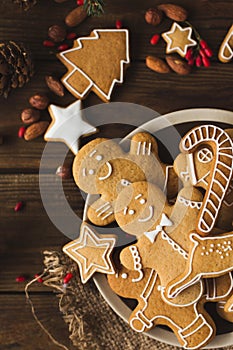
(59,39)
(199,55)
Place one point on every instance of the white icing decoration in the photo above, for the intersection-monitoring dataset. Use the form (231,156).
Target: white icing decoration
(103,209)
(142,148)
(90,238)
(142,201)
(165,221)
(138,196)
(131,212)
(149,217)
(189,203)
(125,182)
(101,178)
(68,125)
(79,46)
(137,263)
(181,50)
(92,153)
(185,175)
(205,155)
(224,148)
(91,172)
(124,276)
(84,172)
(99,157)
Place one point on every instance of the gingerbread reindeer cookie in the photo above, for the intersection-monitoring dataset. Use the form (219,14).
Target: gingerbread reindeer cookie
(192,325)
(209,152)
(101,167)
(209,257)
(163,245)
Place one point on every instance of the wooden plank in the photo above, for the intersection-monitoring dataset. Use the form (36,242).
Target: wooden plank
(211,18)
(20,331)
(203,88)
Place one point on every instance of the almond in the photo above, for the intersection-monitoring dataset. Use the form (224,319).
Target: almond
(30,115)
(178,65)
(35,130)
(175,12)
(55,85)
(76,16)
(157,65)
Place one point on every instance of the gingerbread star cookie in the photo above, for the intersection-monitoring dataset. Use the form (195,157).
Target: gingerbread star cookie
(92,252)
(226,49)
(96,63)
(68,125)
(178,39)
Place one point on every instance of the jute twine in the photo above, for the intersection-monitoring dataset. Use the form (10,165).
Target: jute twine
(92,323)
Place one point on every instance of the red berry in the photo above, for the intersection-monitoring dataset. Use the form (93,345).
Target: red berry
(189,54)
(20,279)
(206,62)
(39,279)
(48,43)
(198,61)
(154,40)
(80,2)
(71,36)
(191,62)
(208,52)
(118,24)
(203,44)
(67,278)
(18,206)
(63,47)
(21,132)
(202,53)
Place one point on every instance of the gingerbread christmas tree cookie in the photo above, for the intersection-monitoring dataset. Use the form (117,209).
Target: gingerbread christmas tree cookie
(178,39)
(96,63)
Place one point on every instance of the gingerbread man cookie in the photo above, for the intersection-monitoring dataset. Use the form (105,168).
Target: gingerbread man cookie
(192,325)
(101,167)
(163,230)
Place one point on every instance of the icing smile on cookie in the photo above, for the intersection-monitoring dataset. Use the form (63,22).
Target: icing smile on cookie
(101,178)
(151,208)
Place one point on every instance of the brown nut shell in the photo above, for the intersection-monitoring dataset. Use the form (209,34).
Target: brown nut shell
(154,16)
(76,16)
(157,64)
(35,130)
(178,65)
(30,115)
(174,12)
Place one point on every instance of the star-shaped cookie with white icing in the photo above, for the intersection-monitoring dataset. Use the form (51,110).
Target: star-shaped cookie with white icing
(92,252)
(68,125)
(178,39)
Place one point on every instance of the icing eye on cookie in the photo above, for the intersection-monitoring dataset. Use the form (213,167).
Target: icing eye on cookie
(128,211)
(141,200)
(125,182)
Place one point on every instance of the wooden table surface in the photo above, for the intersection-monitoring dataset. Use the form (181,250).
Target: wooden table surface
(26,234)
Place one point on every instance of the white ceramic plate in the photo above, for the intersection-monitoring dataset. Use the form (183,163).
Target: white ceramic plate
(157,124)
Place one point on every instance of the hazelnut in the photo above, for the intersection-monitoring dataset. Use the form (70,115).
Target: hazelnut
(39,101)
(30,115)
(57,33)
(154,16)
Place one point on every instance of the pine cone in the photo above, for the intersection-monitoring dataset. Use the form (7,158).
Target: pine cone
(25,4)
(16,67)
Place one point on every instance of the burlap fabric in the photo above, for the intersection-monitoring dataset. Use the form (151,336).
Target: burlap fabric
(92,323)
